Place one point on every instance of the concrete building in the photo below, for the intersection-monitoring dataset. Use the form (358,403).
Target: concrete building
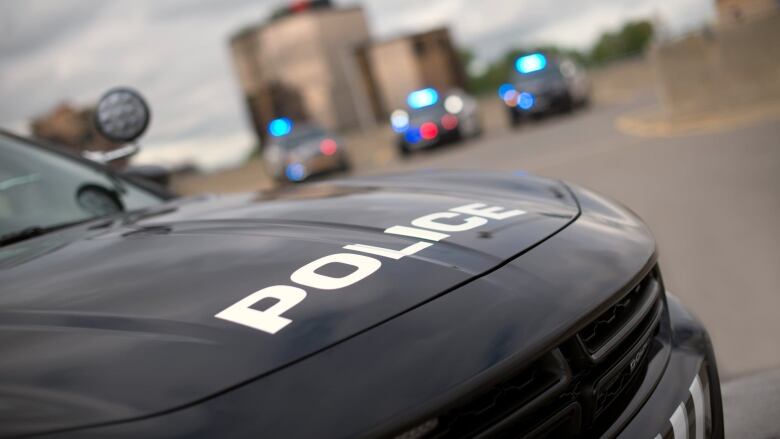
(732,68)
(316,62)
(301,64)
(408,63)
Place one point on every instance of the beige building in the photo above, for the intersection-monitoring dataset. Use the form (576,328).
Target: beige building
(409,63)
(70,126)
(318,63)
(738,11)
(302,65)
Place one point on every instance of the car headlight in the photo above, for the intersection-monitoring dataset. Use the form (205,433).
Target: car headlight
(399,119)
(453,104)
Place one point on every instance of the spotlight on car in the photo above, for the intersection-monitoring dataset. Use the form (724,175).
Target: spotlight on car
(121,115)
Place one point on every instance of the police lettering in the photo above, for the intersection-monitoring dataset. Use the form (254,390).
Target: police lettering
(362,262)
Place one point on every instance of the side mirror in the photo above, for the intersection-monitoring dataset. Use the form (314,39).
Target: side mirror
(121,116)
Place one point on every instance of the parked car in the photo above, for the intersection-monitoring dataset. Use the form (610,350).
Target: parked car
(439,304)
(431,120)
(298,151)
(542,84)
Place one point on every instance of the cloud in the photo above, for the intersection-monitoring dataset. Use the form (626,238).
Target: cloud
(52,20)
(179,61)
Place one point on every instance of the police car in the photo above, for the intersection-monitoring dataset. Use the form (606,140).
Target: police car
(431,120)
(296,152)
(541,84)
(430,305)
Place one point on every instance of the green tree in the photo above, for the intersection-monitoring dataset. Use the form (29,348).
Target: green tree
(632,39)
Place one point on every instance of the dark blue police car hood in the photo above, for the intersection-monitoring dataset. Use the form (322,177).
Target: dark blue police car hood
(116,319)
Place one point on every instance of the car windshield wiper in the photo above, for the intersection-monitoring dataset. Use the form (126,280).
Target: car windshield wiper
(21,235)
(129,216)
(32,232)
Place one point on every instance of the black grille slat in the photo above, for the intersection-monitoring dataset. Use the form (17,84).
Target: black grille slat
(609,329)
(534,385)
(563,423)
(614,383)
(566,423)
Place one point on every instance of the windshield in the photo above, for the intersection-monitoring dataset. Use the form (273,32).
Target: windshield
(40,188)
(551,73)
(300,136)
(427,114)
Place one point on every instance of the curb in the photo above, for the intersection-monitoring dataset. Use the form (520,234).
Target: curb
(751,405)
(653,122)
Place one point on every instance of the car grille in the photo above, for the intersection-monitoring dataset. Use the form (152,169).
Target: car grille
(577,389)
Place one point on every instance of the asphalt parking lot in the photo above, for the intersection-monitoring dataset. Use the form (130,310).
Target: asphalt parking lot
(712,202)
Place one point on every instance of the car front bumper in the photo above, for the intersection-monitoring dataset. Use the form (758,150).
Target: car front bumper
(444,137)
(546,102)
(310,166)
(686,401)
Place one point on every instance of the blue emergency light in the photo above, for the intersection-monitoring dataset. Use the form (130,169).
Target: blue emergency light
(295,172)
(504,91)
(412,135)
(531,63)
(526,101)
(422,98)
(280,127)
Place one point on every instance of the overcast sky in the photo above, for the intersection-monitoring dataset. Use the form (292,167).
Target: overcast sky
(175,51)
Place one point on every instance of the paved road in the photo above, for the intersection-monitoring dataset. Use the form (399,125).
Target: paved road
(713,201)
(751,405)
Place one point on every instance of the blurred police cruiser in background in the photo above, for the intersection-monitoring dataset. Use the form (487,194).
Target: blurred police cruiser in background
(431,120)
(298,151)
(541,84)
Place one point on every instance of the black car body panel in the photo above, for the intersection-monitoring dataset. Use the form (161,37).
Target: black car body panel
(114,319)
(109,328)
(406,369)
